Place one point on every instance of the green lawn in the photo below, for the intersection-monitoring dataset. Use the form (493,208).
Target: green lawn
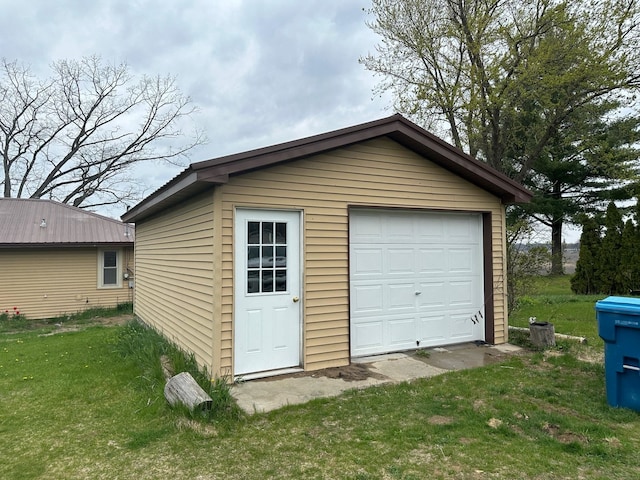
(71,406)
(552,301)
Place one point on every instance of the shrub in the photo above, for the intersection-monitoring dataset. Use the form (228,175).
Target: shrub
(525,262)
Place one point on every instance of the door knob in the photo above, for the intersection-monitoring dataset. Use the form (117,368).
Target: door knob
(418,293)
(296,299)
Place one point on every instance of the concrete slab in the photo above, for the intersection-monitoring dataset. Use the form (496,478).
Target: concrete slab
(266,394)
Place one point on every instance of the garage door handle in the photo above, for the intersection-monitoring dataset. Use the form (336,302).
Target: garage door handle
(418,293)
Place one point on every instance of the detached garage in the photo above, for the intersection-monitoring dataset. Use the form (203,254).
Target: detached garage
(371,239)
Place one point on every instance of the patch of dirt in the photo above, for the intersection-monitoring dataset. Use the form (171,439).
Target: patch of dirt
(494,422)
(348,373)
(613,441)
(71,326)
(112,321)
(563,437)
(591,356)
(440,420)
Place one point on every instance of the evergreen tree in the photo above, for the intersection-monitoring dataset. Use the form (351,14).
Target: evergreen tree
(591,161)
(608,260)
(628,254)
(635,254)
(584,280)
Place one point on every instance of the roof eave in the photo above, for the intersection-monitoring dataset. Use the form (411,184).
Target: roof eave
(201,175)
(396,127)
(187,183)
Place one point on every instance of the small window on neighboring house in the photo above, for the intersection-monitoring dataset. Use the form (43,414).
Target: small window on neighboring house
(109,270)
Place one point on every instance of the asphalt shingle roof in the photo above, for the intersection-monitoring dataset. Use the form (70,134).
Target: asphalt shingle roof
(31,222)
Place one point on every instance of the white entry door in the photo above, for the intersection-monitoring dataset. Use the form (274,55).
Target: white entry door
(267,311)
(416,280)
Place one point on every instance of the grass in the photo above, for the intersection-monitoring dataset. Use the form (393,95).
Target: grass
(552,301)
(88,404)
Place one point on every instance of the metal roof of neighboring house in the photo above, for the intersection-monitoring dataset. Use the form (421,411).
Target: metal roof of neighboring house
(32,222)
(201,175)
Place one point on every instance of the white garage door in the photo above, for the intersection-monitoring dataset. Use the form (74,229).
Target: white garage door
(416,280)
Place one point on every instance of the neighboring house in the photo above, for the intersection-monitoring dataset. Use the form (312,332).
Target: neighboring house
(371,239)
(57,259)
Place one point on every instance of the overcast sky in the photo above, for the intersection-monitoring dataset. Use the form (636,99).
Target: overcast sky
(260,71)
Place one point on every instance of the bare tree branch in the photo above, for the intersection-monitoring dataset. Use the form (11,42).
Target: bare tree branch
(75,136)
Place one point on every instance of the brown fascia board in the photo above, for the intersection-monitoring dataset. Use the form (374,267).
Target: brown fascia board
(181,186)
(201,175)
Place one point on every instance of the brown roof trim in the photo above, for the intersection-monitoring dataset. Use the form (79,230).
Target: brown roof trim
(218,170)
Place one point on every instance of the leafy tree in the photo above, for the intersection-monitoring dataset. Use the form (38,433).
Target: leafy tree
(74,136)
(513,82)
(585,279)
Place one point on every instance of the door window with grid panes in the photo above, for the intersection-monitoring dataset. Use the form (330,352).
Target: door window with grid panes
(266,257)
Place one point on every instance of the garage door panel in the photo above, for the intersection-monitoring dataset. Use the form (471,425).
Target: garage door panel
(368,336)
(367,228)
(367,262)
(462,329)
(461,294)
(461,230)
(400,296)
(398,230)
(415,276)
(461,260)
(367,299)
(401,332)
(431,231)
(432,295)
(400,261)
(431,261)
(432,330)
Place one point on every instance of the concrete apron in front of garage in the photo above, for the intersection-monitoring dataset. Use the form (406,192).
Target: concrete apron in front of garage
(266,394)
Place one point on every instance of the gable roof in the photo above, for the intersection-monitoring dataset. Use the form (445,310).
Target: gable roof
(201,175)
(33,222)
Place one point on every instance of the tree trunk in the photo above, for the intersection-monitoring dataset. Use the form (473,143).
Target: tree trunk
(542,334)
(183,389)
(557,267)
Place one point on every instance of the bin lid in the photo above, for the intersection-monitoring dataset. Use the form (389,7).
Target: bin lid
(625,305)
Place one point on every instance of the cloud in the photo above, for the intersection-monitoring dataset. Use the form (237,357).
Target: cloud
(260,72)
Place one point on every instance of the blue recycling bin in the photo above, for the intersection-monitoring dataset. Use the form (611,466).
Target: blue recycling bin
(619,327)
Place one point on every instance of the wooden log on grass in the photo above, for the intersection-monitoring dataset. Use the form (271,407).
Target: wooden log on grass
(561,336)
(542,334)
(182,388)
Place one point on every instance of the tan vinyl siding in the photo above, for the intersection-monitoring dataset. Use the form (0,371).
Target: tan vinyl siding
(378,173)
(174,265)
(49,282)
